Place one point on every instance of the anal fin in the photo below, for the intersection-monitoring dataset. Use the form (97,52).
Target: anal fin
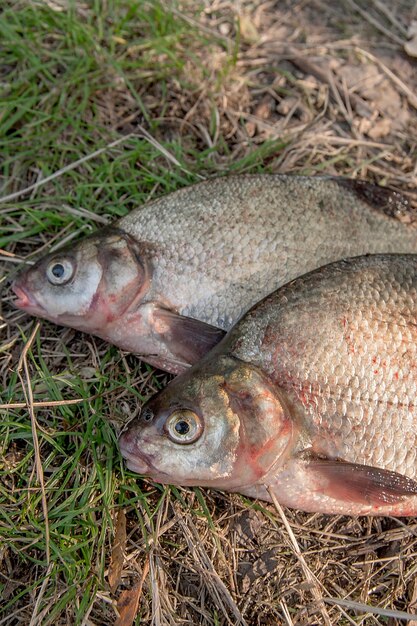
(360,484)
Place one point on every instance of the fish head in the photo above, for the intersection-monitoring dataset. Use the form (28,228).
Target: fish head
(221,424)
(85,285)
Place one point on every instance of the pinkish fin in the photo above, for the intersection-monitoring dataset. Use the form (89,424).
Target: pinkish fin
(361,484)
(187,339)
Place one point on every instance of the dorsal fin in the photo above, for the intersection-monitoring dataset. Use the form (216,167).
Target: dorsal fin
(383,199)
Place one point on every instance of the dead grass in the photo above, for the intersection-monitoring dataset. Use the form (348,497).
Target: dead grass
(278,86)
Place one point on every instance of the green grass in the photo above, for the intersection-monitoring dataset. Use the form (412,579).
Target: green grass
(72,82)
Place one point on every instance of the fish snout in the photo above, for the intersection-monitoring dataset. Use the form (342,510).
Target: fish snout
(128,449)
(24,298)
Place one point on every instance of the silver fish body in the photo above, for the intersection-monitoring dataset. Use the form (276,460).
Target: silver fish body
(168,279)
(312,397)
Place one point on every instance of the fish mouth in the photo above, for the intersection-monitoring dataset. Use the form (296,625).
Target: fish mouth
(134,462)
(24,299)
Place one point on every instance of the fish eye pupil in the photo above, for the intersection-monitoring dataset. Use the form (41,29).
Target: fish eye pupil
(58,270)
(182,427)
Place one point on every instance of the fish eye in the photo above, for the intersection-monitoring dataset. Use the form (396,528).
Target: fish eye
(60,271)
(184,426)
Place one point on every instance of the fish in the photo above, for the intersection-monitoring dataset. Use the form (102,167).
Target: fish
(170,278)
(310,400)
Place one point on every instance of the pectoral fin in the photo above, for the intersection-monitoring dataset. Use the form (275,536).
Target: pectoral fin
(361,484)
(187,339)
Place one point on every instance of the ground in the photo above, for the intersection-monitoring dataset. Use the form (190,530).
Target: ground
(104,106)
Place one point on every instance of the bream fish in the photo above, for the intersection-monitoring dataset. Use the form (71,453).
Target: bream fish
(312,397)
(168,279)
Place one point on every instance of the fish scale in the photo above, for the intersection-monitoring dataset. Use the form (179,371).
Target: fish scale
(297,223)
(321,378)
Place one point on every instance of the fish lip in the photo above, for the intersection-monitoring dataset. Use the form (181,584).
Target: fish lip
(24,300)
(139,463)
(135,463)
